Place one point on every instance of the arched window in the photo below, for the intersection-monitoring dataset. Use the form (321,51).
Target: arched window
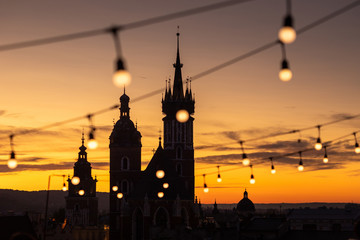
(125,165)
(161,218)
(178,153)
(179,169)
(124,186)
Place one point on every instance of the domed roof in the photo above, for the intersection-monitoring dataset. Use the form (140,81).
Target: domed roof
(124,97)
(125,133)
(245,205)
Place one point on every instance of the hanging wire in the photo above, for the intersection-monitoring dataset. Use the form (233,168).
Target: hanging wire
(325,159)
(252,178)
(318,144)
(273,171)
(285,73)
(206,189)
(357,148)
(301,166)
(218,176)
(245,159)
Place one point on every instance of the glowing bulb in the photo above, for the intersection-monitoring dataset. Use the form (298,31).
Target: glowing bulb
(120,195)
(115,188)
(160,194)
(285,75)
(165,185)
(357,148)
(182,116)
(64,187)
(273,171)
(287,34)
(301,168)
(92,144)
(318,145)
(219,180)
(206,190)
(12,163)
(81,192)
(325,160)
(75,180)
(121,78)
(160,174)
(246,162)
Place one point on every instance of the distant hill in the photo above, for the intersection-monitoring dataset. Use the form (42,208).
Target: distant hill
(24,201)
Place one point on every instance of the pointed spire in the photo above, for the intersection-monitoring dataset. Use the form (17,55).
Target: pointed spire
(178,91)
(245,194)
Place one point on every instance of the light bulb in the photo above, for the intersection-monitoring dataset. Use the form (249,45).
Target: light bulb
(357,148)
(92,144)
(287,34)
(252,179)
(206,190)
(165,185)
(160,194)
(115,188)
(121,78)
(219,180)
(325,160)
(273,171)
(75,180)
(301,168)
(64,187)
(285,74)
(182,116)
(160,174)
(119,195)
(318,145)
(12,163)
(81,192)
(245,161)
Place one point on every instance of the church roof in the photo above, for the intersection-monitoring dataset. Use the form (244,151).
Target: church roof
(245,204)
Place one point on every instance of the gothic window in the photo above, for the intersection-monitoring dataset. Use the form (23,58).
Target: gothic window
(178,153)
(179,169)
(161,218)
(124,186)
(125,163)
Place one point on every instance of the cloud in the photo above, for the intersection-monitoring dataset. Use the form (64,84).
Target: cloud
(2,112)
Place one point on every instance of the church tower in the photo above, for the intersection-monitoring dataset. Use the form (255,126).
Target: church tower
(125,168)
(178,137)
(81,202)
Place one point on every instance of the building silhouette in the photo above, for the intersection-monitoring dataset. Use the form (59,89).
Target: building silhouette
(81,202)
(143,206)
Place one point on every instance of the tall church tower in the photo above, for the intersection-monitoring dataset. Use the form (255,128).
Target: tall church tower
(125,168)
(178,137)
(81,202)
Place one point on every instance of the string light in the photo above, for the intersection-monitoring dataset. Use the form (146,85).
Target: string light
(121,76)
(81,192)
(12,162)
(273,171)
(119,195)
(75,180)
(245,160)
(206,189)
(301,166)
(287,33)
(92,143)
(318,144)
(115,188)
(285,73)
(252,178)
(64,185)
(357,148)
(182,116)
(325,159)
(165,185)
(160,174)
(218,176)
(160,194)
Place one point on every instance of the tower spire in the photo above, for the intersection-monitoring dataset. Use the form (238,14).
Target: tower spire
(178,91)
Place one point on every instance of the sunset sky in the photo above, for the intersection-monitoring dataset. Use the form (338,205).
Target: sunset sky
(50,83)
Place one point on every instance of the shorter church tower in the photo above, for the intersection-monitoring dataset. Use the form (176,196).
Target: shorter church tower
(81,202)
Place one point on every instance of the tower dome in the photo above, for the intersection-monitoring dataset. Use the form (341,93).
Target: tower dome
(245,205)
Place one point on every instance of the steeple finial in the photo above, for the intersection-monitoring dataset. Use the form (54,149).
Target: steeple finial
(82,137)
